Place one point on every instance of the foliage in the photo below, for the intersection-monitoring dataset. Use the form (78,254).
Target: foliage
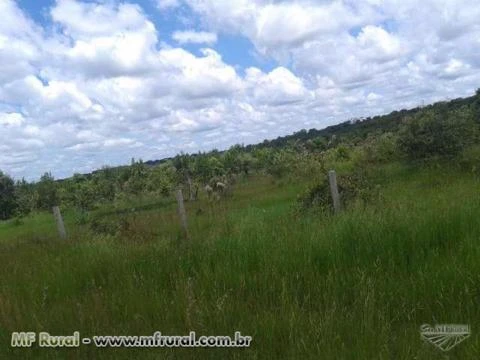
(381,148)
(136,182)
(357,186)
(353,187)
(104,183)
(279,163)
(434,133)
(316,196)
(47,192)
(25,197)
(470,159)
(447,130)
(162,179)
(8,202)
(85,197)
(81,217)
(364,280)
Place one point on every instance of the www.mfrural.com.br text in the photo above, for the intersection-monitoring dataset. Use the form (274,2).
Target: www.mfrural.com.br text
(157,340)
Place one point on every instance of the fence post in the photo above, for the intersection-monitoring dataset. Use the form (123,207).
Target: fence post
(59,220)
(332,178)
(182,213)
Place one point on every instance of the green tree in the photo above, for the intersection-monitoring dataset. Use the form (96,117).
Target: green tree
(136,182)
(476,105)
(84,196)
(184,165)
(25,196)
(8,202)
(281,163)
(162,179)
(231,159)
(438,133)
(247,162)
(104,184)
(47,192)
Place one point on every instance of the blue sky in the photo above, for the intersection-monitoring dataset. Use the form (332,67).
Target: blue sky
(92,83)
(236,50)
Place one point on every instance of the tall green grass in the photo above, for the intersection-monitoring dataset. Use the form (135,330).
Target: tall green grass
(356,286)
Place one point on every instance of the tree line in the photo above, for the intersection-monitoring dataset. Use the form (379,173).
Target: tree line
(442,131)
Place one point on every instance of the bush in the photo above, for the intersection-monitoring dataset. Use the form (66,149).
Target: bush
(104,226)
(353,187)
(316,196)
(470,159)
(281,163)
(7,197)
(432,134)
(357,186)
(381,149)
(17,221)
(47,192)
(81,217)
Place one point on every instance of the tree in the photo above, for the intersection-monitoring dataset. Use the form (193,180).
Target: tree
(202,168)
(231,159)
(476,105)
(136,183)
(247,162)
(162,179)
(7,197)
(47,192)
(25,196)
(104,184)
(184,166)
(281,163)
(84,196)
(438,133)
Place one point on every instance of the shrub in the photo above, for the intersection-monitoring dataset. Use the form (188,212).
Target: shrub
(353,187)
(470,159)
(104,226)
(357,186)
(81,217)
(7,197)
(432,134)
(381,148)
(316,196)
(17,221)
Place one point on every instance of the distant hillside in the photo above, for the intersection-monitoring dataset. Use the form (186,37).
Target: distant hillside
(362,127)
(359,128)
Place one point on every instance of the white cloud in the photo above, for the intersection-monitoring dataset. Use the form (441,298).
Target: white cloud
(194,37)
(199,77)
(279,87)
(82,19)
(378,44)
(166,4)
(273,25)
(290,24)
(100,40)
(11,119)
(100,84)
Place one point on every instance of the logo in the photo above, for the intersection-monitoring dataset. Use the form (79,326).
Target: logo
(445,336)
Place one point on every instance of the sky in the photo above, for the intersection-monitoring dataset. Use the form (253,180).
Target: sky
(85,84)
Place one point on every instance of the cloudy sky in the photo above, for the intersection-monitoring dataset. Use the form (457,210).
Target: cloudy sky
(91,83)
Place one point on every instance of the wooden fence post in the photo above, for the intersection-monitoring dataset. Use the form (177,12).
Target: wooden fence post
(182,213)
(332,178)
(59,220)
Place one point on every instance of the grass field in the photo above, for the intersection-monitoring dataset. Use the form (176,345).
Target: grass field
(355,286)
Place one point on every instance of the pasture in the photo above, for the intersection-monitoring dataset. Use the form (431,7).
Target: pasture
(304,286)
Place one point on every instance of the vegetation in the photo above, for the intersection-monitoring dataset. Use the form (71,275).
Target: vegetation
(440,131)
(270,260)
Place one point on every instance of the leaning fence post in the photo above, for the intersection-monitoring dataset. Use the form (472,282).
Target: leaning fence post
(182,213)
(332,178)
(60,225)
